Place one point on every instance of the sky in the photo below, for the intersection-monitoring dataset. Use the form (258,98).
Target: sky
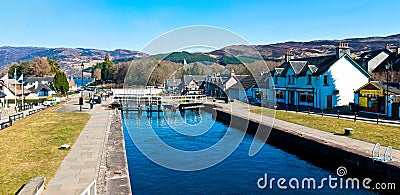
(124,24)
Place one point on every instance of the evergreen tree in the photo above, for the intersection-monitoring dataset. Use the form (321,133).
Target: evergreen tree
(106,67)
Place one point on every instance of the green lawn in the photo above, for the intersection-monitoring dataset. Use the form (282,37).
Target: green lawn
(368,132)
(30,147)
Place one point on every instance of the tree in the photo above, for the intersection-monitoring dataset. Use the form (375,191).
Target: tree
(40,67)
(54,65)
(106,68)
(97,74)
(61,84)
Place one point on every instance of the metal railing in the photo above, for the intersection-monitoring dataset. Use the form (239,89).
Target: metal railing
(90,189)
(385,157)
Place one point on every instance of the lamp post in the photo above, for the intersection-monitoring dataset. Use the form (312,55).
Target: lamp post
(387,67)
(81,98)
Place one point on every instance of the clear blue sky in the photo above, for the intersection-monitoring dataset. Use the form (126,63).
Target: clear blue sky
(127,24)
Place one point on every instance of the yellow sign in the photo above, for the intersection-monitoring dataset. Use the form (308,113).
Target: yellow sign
(371,92)
(363,101)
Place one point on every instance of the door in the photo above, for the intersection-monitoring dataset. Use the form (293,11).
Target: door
(395,110)
(291,97)
(329,101)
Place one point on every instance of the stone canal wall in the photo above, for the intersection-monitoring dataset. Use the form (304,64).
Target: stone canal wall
(320,150)
(114,175)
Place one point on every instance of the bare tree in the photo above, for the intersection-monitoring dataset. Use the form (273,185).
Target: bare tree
(97,74)
(40,67)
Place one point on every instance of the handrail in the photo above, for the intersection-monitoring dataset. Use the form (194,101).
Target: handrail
(387,149)
(377,145)
(90,189)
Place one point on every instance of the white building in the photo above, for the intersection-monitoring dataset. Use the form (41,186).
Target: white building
(320,82)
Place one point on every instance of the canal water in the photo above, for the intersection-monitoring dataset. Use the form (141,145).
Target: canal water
(237,174)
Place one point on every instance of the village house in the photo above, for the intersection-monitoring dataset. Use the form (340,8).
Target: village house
(192,84)
(39,87)
(321,82)
(251,89)
(14,91)
(72,85)
(217,85)
(171,86)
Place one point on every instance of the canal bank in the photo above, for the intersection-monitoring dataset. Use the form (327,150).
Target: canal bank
(97,157)
(321,148)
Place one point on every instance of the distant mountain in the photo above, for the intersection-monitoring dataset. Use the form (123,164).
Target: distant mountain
(307,49)
(69,58)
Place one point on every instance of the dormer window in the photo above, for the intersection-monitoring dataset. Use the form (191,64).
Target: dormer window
(291,79)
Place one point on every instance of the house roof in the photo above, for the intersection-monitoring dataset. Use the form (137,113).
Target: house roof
(39,79)
(247,82)
(317,65)
(197,78)
(172,82)
(393,59)
(371,54)
(40,87)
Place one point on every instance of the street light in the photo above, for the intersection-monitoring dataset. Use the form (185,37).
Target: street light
(387,67)
(81,98)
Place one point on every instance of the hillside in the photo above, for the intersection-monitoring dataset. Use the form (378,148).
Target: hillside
(311,48)
(69,58)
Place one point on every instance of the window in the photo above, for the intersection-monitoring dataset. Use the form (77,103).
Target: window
(304,97)
(291,79)
(309,79)
(326,80)
(280,95)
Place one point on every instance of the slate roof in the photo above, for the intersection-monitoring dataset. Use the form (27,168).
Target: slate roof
(393,60)
(384,85)
(198,78)
(39,79)
(172,82)
(370,54)
(247,82)
(317,65)
(39,88)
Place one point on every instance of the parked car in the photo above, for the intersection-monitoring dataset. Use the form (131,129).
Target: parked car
(97,99)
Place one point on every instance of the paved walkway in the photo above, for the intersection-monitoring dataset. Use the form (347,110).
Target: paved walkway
(81,166)
(363,148)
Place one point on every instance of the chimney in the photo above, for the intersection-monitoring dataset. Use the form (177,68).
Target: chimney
(387,47)
(343,48)
(288,56)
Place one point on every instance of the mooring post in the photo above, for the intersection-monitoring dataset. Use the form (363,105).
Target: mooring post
(355,116)
(377,118)
(322,111)
(338,113)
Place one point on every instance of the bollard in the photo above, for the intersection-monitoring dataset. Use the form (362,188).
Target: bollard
(377,118)
(338,114)
(355,116)
(308,110)
(322,111)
